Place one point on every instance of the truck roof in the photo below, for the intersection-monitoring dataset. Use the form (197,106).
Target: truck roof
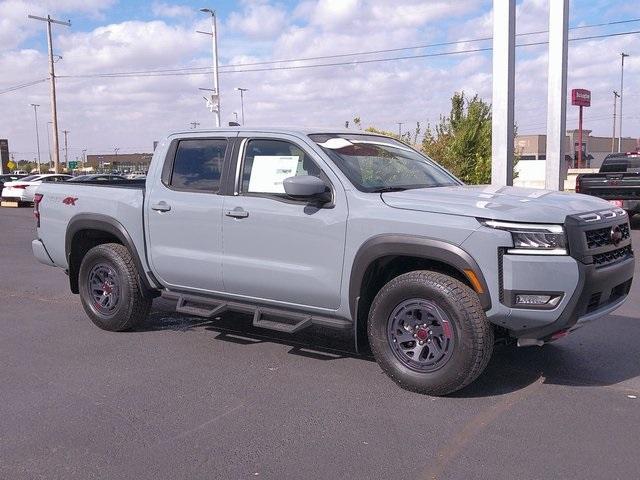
(289,130)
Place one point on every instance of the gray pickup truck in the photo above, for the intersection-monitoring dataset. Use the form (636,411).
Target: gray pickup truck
(339,229)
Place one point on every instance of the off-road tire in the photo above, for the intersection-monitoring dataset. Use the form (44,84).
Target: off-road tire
(474,338)
(132,308)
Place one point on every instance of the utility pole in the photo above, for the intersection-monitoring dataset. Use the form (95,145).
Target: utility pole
(66,149)
(622,55)
(52,77)
(613,135)
(35,112)
(194,125)
(215,97)
(242,90)
(400,129)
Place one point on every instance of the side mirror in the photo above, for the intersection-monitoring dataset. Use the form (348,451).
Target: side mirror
(307,187)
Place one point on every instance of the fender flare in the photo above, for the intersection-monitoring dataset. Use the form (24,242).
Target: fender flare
(107,224)
(412,246)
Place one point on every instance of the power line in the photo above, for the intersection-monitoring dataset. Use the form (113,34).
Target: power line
(23,85)
(367,52)
(184,72)
(334,64)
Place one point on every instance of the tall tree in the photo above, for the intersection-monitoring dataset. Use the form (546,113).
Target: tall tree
(461,142)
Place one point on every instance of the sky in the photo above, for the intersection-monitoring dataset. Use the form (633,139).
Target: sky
(102,113)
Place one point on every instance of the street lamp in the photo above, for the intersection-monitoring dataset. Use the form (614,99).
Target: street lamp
(49,146)
(242,90)
(215,100)
(622,55)
(35,112)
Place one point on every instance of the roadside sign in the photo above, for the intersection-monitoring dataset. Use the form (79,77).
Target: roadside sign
(580,97)
(72,165)
(11,165)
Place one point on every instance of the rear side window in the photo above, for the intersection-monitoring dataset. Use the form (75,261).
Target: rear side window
(621,164)
(198,165)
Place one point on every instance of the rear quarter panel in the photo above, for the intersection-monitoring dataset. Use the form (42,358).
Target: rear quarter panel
(62,202)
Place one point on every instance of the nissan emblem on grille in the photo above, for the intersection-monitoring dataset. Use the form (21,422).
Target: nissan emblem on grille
(616,235)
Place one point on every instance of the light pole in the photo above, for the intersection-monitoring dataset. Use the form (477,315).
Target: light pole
(66,149)
(622,55)
(49,145)
(35,113)
(236,115)
(613,135)
(242,90)
(216,84)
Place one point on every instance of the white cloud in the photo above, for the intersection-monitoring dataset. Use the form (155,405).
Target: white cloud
(259,20)
(166,10)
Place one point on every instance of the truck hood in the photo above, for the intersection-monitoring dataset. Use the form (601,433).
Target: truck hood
(498,203)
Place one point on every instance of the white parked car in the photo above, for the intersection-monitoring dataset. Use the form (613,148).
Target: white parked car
(24,189)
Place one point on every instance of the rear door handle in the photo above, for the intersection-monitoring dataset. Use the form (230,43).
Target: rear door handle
(161,207)
(237,212)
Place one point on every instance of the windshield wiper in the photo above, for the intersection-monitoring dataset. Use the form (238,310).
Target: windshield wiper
(388,189)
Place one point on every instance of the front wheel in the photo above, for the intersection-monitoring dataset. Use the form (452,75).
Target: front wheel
(109,288)
(429,333)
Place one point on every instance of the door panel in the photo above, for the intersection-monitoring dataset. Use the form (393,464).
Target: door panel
(185,216)
(282,250)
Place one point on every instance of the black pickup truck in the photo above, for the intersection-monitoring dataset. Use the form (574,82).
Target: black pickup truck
(618,181)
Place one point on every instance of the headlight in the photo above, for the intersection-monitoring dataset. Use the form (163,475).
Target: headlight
(533,238)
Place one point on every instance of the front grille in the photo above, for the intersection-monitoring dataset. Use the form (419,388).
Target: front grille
(612,256)
(594,302)
(602,236)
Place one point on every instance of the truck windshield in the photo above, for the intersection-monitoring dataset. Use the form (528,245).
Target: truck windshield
(380,164)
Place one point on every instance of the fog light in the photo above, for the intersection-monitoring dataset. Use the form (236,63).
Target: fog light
(532,299)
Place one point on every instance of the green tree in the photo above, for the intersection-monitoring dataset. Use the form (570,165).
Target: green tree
(461,142)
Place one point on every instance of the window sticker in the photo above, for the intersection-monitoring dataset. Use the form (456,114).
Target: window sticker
(269,171)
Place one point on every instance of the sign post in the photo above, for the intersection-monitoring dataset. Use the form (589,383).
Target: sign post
(580,98)
(4,156)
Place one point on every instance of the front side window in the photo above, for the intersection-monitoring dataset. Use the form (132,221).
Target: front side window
(267,163)
(376,164)
(198,165)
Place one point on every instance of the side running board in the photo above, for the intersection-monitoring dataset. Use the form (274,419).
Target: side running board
(280,320)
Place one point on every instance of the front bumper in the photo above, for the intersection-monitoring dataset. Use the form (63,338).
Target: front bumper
(599,291)
(591,282)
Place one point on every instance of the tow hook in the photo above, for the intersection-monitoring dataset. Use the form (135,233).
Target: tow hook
(530,342)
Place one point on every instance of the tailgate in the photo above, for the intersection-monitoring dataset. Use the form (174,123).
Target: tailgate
(611,186)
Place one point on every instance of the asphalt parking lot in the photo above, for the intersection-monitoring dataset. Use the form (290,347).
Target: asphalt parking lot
(188,398)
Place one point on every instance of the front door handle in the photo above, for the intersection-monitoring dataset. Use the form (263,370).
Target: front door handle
(237,212)
(161,207)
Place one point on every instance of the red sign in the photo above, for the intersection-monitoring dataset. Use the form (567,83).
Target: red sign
(581,97)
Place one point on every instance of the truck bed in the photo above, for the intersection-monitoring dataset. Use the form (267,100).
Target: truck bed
(63,203)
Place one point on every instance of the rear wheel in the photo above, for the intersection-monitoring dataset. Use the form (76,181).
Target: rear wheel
(429,332)
(109,288)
